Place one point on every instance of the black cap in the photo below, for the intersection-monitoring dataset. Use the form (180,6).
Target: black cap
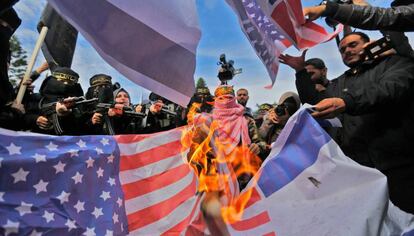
(11,18)
(316,62)
(65,74)
(100,79)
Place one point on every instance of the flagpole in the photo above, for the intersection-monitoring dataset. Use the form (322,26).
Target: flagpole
(36,49)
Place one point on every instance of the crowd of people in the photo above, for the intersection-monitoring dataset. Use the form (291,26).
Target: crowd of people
(374,99)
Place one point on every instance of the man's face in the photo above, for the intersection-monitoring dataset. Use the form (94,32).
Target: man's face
(242,97)
(350,49)
(317,75)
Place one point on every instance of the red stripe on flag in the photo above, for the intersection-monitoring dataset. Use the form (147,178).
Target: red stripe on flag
(296,7)
(281,16)
(270,234)
(316,27)
(160,210)
(155,182)
(177,229)
(132,138)
(197,227)
(150,156)
(255,197)
(252,222)
(304,43)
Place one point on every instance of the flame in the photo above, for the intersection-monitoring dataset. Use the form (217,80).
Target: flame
(207,156)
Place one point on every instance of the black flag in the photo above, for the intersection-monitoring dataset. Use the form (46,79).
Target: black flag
(60,42)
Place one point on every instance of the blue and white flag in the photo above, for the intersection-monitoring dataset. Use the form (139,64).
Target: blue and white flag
(152,43)
(307,186)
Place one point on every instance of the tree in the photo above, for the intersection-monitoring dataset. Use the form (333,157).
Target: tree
(18,62)
(201,83)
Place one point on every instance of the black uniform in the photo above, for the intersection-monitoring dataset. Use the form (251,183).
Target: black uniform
(378,125)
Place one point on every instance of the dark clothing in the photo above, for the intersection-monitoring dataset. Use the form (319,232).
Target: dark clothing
(378,125)
(398,18)
(306,88)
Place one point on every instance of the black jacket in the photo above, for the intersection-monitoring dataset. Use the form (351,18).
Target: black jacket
(378,125)
(398,18)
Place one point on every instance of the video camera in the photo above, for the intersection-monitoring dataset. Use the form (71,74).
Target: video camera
(329,21)
(227,71)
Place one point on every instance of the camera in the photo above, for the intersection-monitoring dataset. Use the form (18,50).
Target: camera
(227,71)
(373,50)
(280,110)
(329,21)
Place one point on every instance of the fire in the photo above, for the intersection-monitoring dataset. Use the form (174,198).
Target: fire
(217,170)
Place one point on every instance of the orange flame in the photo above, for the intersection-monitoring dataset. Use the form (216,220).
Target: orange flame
(206,153)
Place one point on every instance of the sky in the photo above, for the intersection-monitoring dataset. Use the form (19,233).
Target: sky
(220,33)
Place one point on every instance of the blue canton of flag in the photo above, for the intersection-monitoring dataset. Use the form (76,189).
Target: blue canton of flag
(254,10)
(60,186)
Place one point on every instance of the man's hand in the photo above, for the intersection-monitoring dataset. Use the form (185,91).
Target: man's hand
(329,108)
(297,63)
(272,116)
(96,118)
(138,108)
(313,13)
(18,106)
(29,85)
(254,148)
(360,2)
(116,110)
(61,109)
(42,67)
(43,122)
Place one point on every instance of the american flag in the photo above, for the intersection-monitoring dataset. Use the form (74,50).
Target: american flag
(60,185)
(272,26)
(140,185)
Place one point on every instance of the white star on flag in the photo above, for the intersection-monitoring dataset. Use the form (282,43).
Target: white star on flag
(63,197)
(105,195)
(35,233)
(77,177)
(81,143)
(1,160)
(99,151)
(70,224)
(119,202)
(89,232)
(115,218)
(60,167)
(79,206)
(89,162)
(41,186)
(24,208)
(13,149)
(100,172)
(11,227)
(52,147)
(49,216)
(1,196)
(39,158)
(111,158)
(97,212)
(20,175)
(111,181)
(109,233)
(105,141)
(73,153)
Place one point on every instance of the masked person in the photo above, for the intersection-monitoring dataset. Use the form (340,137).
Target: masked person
(235,134)
(55,117)
(121,116)
(11,114)
(275,121)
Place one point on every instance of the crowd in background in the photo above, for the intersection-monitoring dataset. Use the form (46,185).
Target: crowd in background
(374,99)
